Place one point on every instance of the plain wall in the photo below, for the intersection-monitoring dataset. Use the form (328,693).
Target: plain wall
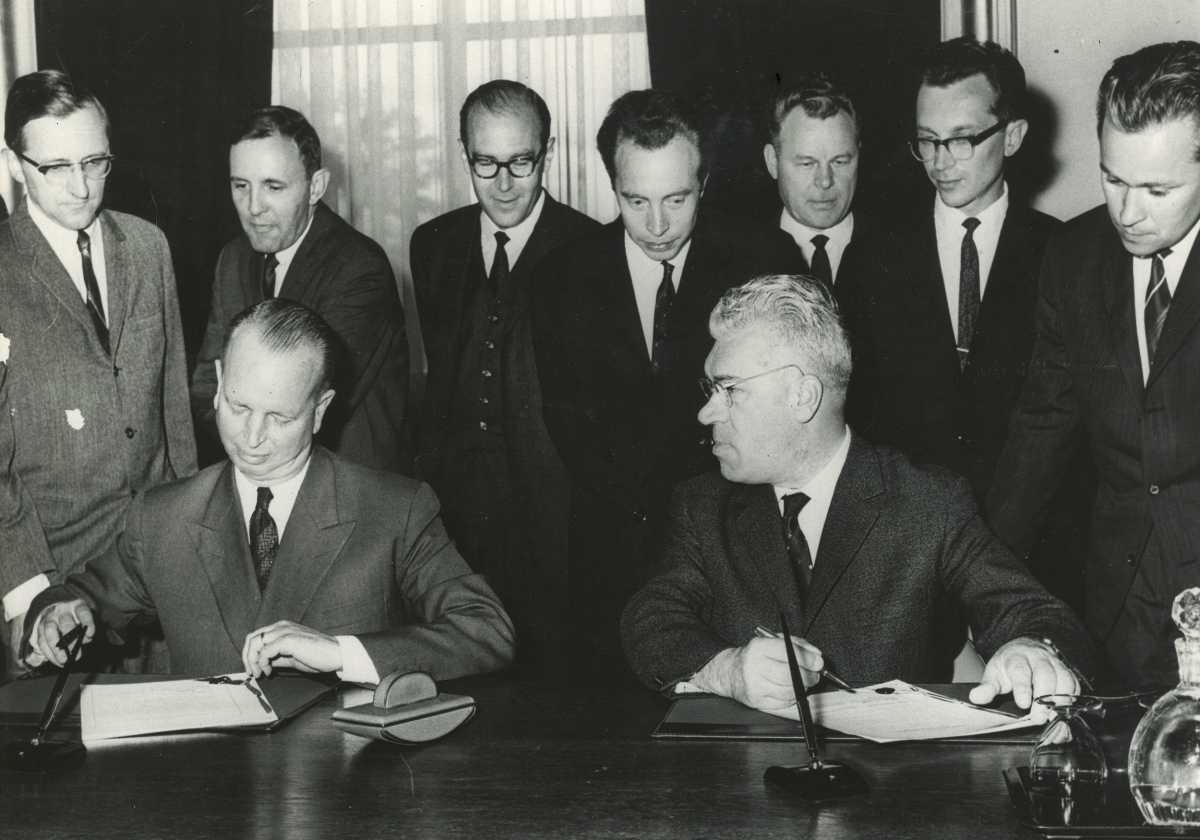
(1066,46)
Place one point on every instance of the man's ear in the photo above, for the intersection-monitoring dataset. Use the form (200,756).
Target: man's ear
(217,395)
(317,185)
(549,156)
(1014,136)
(14,166)
(323,402)
(806,396)
(771,158)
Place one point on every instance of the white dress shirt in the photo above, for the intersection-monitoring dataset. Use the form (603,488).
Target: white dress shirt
(948,226)
(356,662)
(518,235)
(839,238)
(819,490)
(647,276)
(1172,268)
(284,258)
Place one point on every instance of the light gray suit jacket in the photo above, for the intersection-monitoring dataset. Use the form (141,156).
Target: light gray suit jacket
(81,433)
(364,554)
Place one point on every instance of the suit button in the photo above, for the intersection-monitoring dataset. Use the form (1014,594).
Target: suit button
(484,400)
(1130,559)
(483,427)
(1153,489)
(638,516)
(489,344)
(493,319)
(487,374)
(116,372)
(129,432)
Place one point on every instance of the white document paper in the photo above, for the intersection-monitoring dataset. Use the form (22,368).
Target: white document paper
(150,708)
(900,711)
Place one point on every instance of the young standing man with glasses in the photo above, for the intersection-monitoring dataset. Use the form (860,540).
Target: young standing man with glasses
(93,378)
(480,438)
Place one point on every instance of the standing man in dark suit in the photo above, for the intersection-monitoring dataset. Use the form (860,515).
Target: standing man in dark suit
(812,154)
(93,376)
(481,441)
(942,320)
(1116,363)
(619,332)
(867,557)
(286,555)
(295,247)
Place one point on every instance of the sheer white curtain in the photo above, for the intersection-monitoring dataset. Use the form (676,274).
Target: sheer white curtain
(18,56)
(382,82)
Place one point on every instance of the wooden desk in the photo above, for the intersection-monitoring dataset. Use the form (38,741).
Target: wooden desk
(535,762)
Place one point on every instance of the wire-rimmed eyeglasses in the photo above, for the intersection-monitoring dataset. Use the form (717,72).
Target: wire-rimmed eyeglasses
(94,168)
(518,167)
(726,385)
(925,149)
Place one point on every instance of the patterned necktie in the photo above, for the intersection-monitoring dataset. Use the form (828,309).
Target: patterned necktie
(94,303)
(797,545)
(968,292)
(268,276)
(498,277)
(264,537)
(662,310)
(821,269)
(1158,301)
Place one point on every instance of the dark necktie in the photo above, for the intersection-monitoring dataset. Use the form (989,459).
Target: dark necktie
(1158,301)
(94,303)
(821,268)
(264,537)
(662,310)
(797,545)
(968,292)
(498,277)
(268,276)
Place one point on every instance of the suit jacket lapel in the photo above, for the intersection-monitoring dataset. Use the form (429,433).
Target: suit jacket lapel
(1181,317)
(224,550)
(298,275)
(757,546)
(47,270)
(116,272)
(619,286)
(312,541)
(856,502)
(1116,284)
(930,291)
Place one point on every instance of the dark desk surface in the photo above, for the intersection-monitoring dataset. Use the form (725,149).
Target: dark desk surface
(535,762)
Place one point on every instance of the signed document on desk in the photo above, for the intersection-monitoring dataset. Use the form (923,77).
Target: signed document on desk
(900,711)
(232,701)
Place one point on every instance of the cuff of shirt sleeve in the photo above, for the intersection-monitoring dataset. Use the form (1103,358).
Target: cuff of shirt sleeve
(357,666)
(17,601)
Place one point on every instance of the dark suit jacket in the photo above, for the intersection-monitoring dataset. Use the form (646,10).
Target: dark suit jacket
(908,390)
(364,553)
(345,277)
(900,546)
(1143,440)
(83,432)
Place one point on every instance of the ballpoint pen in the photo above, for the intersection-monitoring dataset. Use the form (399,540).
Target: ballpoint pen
(825,674)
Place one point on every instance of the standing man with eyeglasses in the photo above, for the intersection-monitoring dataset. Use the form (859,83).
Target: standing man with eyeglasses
(293,246)
(942,322)
(93,376)
(480,438)
(1116,367)
(620,337)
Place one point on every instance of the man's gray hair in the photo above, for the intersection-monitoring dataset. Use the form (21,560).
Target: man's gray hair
(800,311)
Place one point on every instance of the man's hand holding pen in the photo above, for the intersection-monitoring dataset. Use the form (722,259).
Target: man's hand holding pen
(55,622)
(757,674)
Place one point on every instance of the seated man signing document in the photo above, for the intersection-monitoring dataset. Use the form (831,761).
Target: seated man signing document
(873,560)
(285,556)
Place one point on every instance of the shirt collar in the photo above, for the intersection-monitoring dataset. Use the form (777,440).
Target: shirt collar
(951,218)
(1173,264)
(283,495)
(820,487)
(61,239)
(284,258)
(839,235)
(642,265)
(518,235)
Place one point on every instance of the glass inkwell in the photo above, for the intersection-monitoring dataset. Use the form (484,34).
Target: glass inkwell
(1067,768)
(1164,756)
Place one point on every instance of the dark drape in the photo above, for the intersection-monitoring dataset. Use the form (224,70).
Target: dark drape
(172,74)
(734,54)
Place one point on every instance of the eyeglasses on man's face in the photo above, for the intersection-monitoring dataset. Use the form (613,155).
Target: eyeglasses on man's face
(94,168)
(726,385)
(925,149)
(518,167)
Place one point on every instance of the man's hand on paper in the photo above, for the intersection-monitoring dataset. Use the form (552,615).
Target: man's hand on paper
(757,675)
(54,622)
(1027,668)
(286,644)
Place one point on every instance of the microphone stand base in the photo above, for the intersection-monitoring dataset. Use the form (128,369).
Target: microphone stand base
(44,757)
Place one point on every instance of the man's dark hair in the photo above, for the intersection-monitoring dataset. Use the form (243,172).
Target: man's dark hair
(503,96)
(960,58)
(281,121)
(1154,85)
(285,325)
(46,93)
(650,119)
(819,96)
